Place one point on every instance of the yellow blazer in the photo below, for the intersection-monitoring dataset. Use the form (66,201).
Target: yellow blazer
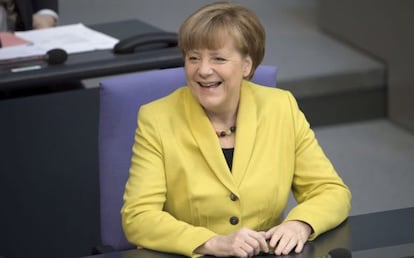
(180,191)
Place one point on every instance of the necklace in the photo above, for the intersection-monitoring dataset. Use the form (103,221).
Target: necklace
(227,132)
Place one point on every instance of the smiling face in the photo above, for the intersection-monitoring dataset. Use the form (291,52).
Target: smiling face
(215,76)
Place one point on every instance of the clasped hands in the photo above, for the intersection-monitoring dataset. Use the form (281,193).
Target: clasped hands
(280,240)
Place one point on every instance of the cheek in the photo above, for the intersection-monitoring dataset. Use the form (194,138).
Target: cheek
(189,71)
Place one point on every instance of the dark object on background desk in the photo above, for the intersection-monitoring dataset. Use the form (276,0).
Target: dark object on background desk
(147,41)
(56,56)
(52,57)
(338,253)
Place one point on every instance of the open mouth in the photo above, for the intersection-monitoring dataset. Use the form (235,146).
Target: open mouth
(209,84)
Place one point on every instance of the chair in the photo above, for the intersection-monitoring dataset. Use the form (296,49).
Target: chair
(120,99)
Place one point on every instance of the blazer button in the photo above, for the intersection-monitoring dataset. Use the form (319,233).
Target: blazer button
(234,220)
(233,197)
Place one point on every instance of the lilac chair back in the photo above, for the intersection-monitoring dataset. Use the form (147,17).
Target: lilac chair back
(120,99)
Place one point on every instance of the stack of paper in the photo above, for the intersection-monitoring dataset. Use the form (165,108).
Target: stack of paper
(73,38)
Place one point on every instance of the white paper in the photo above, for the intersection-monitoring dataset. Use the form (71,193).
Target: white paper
(21,51)
(73,38)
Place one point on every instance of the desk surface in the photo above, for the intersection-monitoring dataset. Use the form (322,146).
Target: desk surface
(370,235)
(96,63)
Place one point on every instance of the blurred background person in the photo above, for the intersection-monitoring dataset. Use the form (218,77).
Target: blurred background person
(19,15)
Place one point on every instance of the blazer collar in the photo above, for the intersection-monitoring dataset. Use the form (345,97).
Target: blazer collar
(246,132)
(209,144)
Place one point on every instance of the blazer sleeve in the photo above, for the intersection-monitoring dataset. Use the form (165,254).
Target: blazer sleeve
(144,222)
(323,198)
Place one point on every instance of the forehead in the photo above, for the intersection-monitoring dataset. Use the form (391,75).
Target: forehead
(225,49)
(213,39)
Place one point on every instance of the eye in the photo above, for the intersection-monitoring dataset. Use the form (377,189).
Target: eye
(193,58)
(219,59)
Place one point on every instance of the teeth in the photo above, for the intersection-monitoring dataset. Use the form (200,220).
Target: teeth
(208,84)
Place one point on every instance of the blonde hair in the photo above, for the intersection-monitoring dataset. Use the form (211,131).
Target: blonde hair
(210,26)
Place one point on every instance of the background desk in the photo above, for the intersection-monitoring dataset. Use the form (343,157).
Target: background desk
(369,235)
(49,205)
(95,63)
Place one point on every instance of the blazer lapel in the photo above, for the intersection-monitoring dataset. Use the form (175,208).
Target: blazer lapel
(207,140)
(245,134)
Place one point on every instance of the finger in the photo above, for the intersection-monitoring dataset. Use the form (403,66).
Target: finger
(283,242)
(238,250)
(289,246)
(247,249)
(262,245)
(254,244)
(270,232)
(241,253)
(275,238)
(299,246)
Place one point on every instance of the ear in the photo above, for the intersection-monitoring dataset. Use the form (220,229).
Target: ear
(247,66)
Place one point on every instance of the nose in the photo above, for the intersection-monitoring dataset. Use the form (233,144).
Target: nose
(205,68)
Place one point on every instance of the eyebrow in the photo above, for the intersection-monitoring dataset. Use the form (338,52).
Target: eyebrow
(210,52)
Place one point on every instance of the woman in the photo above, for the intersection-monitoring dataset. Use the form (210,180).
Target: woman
(214,162)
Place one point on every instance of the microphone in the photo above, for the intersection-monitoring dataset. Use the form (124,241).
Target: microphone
(56,56)
(338,253)
(52,57)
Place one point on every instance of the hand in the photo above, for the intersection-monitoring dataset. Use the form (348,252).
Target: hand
(41,21)
(288,235)
(242,243)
